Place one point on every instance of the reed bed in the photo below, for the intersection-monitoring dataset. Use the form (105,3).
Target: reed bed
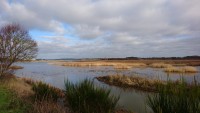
(160,65)
(122,67)
(16,67)
(176,98)
(185,69)
(113,64)
(84,97)
(131,81)
(45,91)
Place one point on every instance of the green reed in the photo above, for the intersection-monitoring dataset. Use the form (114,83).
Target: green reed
(176,98)
(84,97)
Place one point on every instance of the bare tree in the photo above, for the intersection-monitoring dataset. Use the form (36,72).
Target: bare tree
(15,44)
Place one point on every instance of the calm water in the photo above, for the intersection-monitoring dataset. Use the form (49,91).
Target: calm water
(129,98)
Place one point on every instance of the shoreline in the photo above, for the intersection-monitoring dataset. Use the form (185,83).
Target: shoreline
(23,88)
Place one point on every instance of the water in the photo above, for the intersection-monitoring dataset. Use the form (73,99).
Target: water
(129,98)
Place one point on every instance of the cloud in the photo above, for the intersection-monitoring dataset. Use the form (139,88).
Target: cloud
(88,32)
(110,28)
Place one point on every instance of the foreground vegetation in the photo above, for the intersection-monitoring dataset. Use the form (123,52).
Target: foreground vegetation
(22,95)
(19,95)
(9,103)
(84,97)
(176,98)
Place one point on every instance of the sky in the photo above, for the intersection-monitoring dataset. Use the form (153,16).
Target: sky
(108,28)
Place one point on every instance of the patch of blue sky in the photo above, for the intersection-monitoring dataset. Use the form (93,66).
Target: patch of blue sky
(179,36)
(37,34)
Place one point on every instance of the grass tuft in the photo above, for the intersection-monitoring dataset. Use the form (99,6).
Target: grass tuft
(44,91)
(175,98)
(84,97)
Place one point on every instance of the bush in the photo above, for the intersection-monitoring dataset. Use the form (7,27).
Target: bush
(176,98)
(84,97)
(45,92)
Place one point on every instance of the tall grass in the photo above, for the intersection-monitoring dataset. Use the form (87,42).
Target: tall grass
(122,67)
(84,97)
(136,82)
(160,65)
(185,69)
(46,92)
(176,98)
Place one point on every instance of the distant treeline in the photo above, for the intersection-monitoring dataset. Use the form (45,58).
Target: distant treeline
(133,58)
(155,58)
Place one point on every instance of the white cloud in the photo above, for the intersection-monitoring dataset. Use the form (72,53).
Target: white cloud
(123,27)
(88,32)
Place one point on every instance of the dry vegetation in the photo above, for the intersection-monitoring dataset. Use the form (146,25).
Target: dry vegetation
(185,69)
(115,64)
(122,67)
(24,90)
(160,65)
(131,81)
(127,64)
(16,67)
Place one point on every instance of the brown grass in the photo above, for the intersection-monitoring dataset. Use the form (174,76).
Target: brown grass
(47,107)
(131,81)
(116,65)
(23,89)
(160,65)
(122,67)
(16,67)
(146,62)
(19,86)
(185,69)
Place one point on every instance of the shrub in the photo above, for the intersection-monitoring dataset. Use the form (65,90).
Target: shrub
(45,92)
(84,97)
(176,98)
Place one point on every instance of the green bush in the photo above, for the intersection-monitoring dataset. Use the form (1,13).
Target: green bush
(45,92)
(84,97)
(176,98)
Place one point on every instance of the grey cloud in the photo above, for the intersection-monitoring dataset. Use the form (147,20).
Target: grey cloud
(124,27)
(88,32)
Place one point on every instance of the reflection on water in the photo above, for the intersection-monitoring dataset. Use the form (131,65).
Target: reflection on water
(129,98)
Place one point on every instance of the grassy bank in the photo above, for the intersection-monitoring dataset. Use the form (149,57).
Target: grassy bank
(25,96)
(9,103)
